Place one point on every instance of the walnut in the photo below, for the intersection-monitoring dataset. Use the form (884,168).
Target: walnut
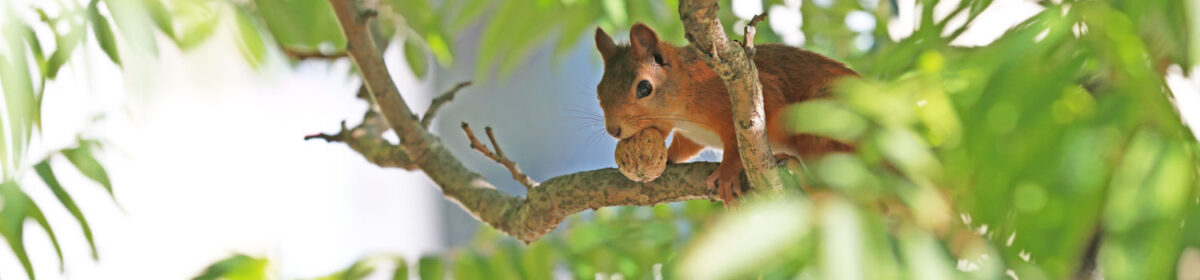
(643,157)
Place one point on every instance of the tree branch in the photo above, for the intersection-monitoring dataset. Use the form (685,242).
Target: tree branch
(526,218)
(499,157)
(366,139)
(735,66)
(437,103)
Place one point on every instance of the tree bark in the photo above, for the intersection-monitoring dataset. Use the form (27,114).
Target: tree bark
(735,65)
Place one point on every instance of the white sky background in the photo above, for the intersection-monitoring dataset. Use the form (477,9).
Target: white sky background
(207,158)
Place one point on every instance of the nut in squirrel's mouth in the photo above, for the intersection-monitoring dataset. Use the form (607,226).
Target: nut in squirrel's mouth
(640,131)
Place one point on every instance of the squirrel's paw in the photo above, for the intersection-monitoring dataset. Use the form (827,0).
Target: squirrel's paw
(727,184)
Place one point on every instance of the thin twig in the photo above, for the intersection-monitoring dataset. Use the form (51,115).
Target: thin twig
(299,54)
(330,138)
(498,156)
(750,31)
(437,103)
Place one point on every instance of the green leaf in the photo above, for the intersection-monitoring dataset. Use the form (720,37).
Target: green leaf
(12,222)
(824,117)
(236,267)
(36,47)
(250,43)
(358,270)
(64,45)
(469,266)
(430,267)
(468,13)
(305,25)
(84,160)
(401,272)
(17,86)
(745,240)
(103,32)
(160,16)
(196,20)
(47,174)
(35,212)
(135,24)
(418,14)
(440,47)
(414,54)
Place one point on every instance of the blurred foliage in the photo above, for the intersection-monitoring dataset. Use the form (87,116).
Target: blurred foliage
(24,70)
(981,162)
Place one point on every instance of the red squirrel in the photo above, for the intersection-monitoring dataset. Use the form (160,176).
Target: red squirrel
(651,84)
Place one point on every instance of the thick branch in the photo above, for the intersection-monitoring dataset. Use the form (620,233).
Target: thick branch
(544,207)
(499,157)
(736,68)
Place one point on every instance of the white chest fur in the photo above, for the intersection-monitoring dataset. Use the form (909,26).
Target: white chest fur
(703,136)
(699,134)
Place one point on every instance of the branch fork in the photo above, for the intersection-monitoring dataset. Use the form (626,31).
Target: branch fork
(499,157)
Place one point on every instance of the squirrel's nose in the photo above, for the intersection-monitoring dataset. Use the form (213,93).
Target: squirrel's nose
(615,131)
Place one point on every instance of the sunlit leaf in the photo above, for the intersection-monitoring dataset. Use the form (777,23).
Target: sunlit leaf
(12,222)
(236,267)
(195,21)
(35,213)
(746,239)
(64,46)
(430,267)
(135,24)
(414,54)
(825,118)
(85,161)
(16,83)
(401,271)
(250,43)
(47,174)
(305,25)
(160,16)
(103,32)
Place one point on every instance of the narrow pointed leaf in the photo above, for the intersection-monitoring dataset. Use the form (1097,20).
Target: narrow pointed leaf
(36,47)
(160,16)
(135,24)
(250,43)
(401,272)
(35,212)
(12,221)
(414,54)
(47,174)
(103,32)
(83,159)
(64,45)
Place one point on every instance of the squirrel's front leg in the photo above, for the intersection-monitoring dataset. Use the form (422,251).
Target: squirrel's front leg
(727,179)
(682,149)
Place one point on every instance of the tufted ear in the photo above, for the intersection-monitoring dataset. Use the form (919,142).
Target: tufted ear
(643,39)
(605,44)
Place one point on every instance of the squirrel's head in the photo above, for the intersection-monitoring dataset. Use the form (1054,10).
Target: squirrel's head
(635,92)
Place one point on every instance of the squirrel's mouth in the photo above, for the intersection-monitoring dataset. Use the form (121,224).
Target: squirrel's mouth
(639,131)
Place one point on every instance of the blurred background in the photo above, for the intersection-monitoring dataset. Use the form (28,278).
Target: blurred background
(163,139)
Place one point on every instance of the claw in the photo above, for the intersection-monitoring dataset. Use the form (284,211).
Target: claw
(727,186)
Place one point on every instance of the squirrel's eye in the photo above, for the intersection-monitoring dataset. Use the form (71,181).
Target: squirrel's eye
(644,89)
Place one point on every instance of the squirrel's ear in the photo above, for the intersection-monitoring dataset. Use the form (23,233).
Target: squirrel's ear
(643,39)
(605,44)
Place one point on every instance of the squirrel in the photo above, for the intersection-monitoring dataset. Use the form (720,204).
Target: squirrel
(651,84)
